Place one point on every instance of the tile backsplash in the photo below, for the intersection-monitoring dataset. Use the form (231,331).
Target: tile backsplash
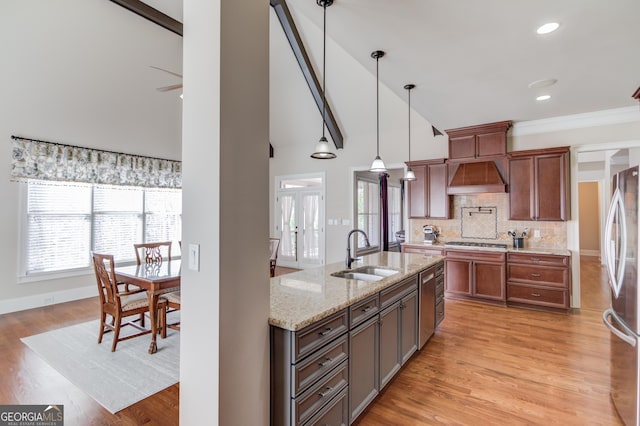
(489,227)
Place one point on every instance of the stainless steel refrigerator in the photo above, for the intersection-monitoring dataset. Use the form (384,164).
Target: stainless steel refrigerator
(621,253)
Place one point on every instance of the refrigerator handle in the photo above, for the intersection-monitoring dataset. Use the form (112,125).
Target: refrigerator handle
(626,336)
(616,277)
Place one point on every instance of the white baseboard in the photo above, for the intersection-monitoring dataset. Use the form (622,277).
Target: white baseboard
(584,252)
(44,299)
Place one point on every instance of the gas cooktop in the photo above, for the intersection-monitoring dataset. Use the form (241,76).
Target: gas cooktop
(473,244)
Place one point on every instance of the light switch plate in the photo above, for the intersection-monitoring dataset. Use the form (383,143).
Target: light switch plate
(536,233)
(194,257)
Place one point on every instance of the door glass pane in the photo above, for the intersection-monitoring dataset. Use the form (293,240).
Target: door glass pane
(310,227)
(288,226)
(368,212)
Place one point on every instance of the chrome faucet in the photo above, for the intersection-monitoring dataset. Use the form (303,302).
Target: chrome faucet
(349,258)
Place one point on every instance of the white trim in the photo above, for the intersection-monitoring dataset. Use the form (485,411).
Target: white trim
(584,252)
(577,121)
(44,299)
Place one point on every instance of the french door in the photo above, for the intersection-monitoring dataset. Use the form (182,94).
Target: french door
(300,224)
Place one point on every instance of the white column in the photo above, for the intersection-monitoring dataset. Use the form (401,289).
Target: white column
(224,357)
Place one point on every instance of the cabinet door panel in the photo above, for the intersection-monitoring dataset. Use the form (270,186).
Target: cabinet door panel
(550,187)
(363,366)
(521,199)
(438,202)
(458,276)
(417,193)
(409,335)
(491,144)
(489,281)
(462,147)
(389,336)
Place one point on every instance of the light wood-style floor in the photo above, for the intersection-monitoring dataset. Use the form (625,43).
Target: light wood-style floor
(486,365)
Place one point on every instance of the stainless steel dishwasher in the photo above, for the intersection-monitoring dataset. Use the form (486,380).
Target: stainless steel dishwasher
(427,305)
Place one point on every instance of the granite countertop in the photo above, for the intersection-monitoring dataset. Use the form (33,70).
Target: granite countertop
(304,297)
(509,249)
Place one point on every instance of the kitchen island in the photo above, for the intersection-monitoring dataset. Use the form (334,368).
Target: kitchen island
(336,342)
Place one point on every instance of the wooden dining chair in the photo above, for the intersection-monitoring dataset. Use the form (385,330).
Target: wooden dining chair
(153,252)
(120,305)
(173,302)
(274,246)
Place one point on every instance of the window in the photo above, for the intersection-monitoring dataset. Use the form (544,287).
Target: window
(367,212)
(395,212)
(66,221)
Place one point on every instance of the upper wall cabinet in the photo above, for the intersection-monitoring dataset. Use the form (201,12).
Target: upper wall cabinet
(428,193)
(539,184)
(486,140)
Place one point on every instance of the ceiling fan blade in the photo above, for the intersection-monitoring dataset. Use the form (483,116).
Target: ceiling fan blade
(168,88)
(167,71)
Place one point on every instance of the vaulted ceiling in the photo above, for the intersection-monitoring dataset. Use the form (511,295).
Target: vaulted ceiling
(473,61)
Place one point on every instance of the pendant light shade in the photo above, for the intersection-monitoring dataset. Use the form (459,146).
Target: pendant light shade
(409,175)
(323,148)
(378,165)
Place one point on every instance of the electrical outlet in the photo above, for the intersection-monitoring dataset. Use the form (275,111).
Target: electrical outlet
(536,233)
(194,257)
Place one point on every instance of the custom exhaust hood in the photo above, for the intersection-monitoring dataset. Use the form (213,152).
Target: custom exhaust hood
(475,178)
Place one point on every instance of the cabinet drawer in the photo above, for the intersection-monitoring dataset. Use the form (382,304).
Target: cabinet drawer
(439,292)
(309,339)
(490,256)
(311,369)
(558,277)
(393,293)
(335,413)
(308,404)
(364,309)
(539,259)
(427,251)
(556,298)
(439,312)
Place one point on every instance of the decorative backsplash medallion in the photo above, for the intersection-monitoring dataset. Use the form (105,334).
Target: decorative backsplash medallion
(479,222)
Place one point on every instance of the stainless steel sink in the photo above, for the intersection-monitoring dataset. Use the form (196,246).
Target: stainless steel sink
(365,273)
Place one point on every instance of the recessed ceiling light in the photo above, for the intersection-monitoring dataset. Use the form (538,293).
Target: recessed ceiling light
(543,97)
(543,83)
(548,28)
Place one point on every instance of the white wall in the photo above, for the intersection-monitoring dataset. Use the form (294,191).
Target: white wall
(224,352)
(296,123)
(78,72)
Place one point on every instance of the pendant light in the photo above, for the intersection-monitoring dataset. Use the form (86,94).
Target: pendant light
(378,165)
(323,148)
(409,175)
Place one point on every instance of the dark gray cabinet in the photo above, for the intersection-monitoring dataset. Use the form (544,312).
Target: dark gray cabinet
(363,372)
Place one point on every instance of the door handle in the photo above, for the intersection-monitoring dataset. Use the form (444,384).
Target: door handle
(616,276)
(626,336)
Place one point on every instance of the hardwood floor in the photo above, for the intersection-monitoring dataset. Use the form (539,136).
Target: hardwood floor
(485,365)
(491,365)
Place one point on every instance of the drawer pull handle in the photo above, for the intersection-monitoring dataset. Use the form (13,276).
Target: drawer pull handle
(535,294)
(367,309)
(324,363)
(535,259)
(536,275)
(326,331)
(325,393)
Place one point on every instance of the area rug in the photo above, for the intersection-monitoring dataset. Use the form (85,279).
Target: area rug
(117,379)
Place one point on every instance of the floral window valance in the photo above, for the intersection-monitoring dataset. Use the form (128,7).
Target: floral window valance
(40,160)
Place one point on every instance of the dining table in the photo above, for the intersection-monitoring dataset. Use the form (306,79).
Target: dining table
(154,278)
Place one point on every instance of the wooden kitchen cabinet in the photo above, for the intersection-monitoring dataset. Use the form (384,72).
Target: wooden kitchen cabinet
(398,335)
(539,280)
(475,274)
(477,142)
(428,193)
(364,366)
(539,184)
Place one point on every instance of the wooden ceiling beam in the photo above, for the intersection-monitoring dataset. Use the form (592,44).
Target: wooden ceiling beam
(291,32)
(153,15)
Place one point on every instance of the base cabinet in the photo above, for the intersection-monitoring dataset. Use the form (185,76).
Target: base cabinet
(540,281)
(330,371)
(476,274)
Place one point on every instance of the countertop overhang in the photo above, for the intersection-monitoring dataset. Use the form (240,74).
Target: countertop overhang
(304,297)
